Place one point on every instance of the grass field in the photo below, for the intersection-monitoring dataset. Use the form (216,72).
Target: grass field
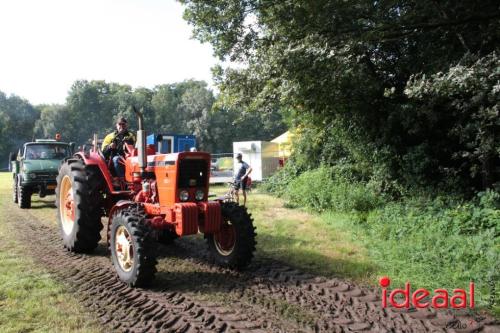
(30,299)
(327,244)
(315,243)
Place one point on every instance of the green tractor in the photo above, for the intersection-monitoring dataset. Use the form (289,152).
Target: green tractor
(35,168)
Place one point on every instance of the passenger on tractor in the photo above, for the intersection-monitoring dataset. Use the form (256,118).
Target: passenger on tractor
(113,146)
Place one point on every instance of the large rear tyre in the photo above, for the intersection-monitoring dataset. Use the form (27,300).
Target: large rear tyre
(14,190)
(23,196)
(234,244)
(132,247)
(79,205)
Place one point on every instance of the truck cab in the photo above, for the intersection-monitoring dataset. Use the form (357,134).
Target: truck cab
(35,168)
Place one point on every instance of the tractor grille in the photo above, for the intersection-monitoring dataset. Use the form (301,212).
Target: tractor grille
(193,173)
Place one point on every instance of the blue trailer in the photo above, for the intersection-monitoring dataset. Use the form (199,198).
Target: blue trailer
(171,143)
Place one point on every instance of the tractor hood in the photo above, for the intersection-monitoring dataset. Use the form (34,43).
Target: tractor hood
(49,166)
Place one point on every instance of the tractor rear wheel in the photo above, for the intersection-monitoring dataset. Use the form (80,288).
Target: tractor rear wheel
(23,196)
(234,244)
(132,247)
(79,202)
(14,190)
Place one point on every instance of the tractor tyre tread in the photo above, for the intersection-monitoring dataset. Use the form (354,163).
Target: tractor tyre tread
(144,270)
(88,206)
(243,250)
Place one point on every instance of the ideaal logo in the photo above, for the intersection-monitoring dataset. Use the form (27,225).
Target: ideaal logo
(439,300)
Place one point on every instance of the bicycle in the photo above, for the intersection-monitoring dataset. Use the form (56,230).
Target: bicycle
(230,195)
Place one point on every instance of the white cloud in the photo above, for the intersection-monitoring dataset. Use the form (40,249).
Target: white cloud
(47,45)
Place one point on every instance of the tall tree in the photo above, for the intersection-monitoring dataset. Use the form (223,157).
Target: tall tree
(17,120)
(54,119)
(344,66)
(93,107)
(195,106)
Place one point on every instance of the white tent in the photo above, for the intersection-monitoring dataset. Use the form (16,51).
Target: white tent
(263,157)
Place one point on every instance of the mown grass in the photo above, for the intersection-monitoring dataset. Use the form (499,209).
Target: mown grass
(30,299)
(438,245)
(296,238)
(305,241)
(333,243)
(432,241)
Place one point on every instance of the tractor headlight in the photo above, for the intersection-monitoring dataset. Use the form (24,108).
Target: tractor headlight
(200,194)
(184,195)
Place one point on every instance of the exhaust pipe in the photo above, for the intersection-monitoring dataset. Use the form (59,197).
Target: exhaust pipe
(141,141)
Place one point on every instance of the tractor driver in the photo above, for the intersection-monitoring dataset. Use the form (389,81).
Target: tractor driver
(112,146)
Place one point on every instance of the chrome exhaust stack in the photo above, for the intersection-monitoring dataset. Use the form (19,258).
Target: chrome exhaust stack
(141,141)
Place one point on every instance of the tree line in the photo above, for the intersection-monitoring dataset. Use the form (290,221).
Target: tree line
(188,107)
(404,93)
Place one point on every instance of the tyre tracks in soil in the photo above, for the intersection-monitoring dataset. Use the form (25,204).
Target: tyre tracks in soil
(122,309)
(268,297)
(335,305)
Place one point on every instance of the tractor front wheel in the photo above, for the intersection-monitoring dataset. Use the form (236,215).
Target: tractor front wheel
(78,201)
(132,247)
(234,244)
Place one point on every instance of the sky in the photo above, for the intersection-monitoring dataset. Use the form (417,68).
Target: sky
(47,45)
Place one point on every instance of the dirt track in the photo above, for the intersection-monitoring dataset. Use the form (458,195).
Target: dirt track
(190,295)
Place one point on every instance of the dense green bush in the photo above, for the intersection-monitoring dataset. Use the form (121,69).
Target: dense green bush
(440,242)
(329,188)
(369,82)
(455,120)
(312,189)
(278,182)
(432,240)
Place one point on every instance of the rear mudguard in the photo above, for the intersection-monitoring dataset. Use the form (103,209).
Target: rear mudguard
(94,158)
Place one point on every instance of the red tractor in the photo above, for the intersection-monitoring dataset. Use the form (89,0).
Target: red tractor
(163,196)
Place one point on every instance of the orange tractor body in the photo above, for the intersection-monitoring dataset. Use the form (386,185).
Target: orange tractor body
(173,174)
(161,197)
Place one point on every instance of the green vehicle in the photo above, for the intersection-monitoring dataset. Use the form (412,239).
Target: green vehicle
(35,168)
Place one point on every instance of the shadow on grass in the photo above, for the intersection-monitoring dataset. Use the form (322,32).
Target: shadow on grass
(195,281)
(44,205)
(288,251)
(39,203)
(176,269)
(178,272)
(101,250)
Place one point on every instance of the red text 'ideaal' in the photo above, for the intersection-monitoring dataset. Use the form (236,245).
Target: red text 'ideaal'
(440,299)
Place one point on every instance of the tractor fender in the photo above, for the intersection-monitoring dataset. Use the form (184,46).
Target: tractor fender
(94,158)
(119,205)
